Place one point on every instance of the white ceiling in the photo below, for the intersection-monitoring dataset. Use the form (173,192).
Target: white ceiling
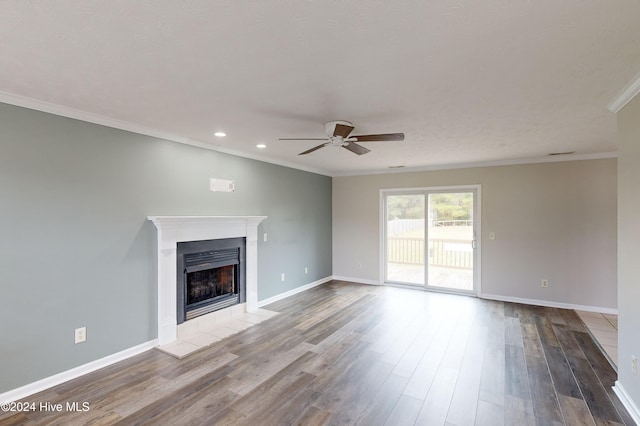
(466,81)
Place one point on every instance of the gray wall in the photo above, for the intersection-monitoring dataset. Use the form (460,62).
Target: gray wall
(629,246)
(553,220)
(77,250)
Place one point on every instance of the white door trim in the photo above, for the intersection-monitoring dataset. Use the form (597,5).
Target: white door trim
(477,223)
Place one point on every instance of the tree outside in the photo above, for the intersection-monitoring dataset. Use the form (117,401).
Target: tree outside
(445,206)
(451,206)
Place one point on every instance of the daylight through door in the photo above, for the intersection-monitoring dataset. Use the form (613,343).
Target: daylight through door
(430,238)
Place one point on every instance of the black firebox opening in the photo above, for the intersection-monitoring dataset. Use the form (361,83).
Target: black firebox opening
(210,283)
(210,276)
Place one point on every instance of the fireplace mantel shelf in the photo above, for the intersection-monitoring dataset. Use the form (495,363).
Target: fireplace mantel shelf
(179,219)
(174,229)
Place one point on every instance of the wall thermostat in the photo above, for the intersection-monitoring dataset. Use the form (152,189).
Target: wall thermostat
(221,185)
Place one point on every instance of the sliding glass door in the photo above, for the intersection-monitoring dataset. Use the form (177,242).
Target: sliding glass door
(406,238)
(451,240)
(430,238)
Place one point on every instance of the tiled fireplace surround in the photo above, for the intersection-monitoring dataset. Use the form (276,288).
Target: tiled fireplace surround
(174,229)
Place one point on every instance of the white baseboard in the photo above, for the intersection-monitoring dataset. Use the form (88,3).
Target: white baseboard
(628,403)
(356,280)
(48,382)
(296,290)
(548,303)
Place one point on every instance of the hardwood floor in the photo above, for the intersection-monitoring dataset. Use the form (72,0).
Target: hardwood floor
(345,353)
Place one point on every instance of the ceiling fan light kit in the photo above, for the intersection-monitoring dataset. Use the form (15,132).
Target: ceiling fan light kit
(338,135)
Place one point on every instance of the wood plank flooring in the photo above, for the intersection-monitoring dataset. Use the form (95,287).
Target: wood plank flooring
(349,354)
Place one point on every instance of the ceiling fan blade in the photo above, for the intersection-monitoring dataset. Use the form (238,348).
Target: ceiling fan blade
(342,130)
(355,148)
(302,139)
(315,148)
(379,138)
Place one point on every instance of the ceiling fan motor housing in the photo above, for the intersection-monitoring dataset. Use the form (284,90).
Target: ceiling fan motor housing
(330,129)
(339,135)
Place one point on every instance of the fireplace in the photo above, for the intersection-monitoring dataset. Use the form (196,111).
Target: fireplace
(177,229)
(210,276)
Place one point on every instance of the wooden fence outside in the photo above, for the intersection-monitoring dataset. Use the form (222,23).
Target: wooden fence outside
(442,252)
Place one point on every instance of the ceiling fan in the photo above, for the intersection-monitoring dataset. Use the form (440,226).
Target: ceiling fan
(338,135)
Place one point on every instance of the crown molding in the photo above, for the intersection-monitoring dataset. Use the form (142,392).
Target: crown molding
(63,111)
(266,159)
(629,92)
(496,163)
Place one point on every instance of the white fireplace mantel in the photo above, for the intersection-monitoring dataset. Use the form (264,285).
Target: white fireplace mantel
(175,229)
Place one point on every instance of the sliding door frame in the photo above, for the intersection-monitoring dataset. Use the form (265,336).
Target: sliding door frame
(477,225)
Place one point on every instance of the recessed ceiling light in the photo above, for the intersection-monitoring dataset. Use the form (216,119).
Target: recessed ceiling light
(220,134)
(261,146)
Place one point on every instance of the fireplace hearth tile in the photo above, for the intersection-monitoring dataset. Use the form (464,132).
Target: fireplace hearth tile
(239,325)
(209,329)
(224,315)
(253,319)
(264,313)
(189,329)
(238,311)
(203,339)
(221,331)
(179,348)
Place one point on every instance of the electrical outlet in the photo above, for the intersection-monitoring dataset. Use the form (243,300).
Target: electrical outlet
(264,237)
(282,276)
(634,364)
(358,265)
(306,270)
(544,283)
(81,334)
